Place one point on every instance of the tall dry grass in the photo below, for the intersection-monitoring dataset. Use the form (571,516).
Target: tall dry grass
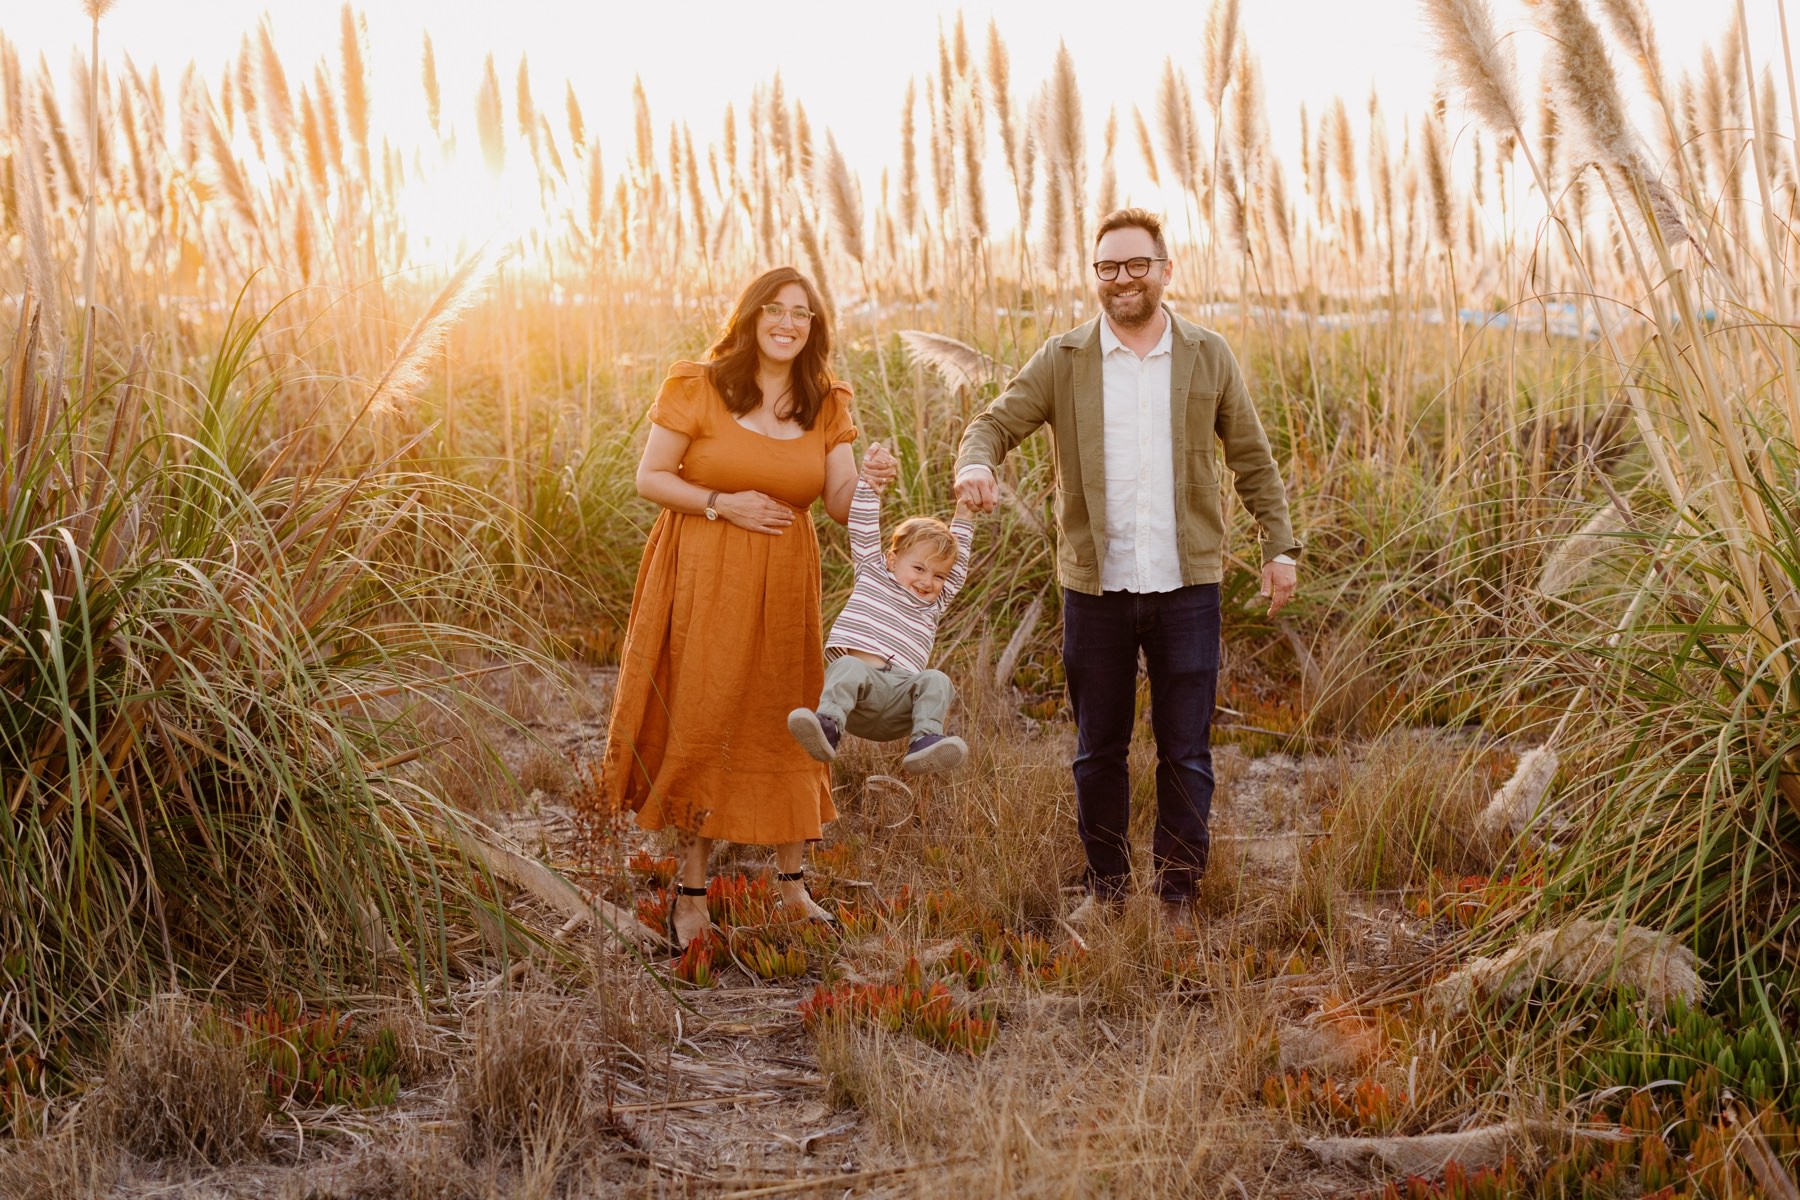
(1468,333)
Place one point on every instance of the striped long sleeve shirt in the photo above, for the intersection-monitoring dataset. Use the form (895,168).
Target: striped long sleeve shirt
(881,616)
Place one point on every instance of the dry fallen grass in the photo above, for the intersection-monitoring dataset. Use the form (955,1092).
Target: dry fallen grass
(524,1093)
(175,1089)
(1120,1079)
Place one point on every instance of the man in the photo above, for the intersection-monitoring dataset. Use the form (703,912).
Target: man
(1136,400)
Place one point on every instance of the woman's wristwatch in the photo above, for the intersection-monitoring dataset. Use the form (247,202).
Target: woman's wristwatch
(712,514)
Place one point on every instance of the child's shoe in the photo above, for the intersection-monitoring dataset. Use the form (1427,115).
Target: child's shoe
(817,733)
(933,752)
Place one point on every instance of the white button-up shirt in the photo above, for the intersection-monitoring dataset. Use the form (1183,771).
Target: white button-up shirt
(1142,554)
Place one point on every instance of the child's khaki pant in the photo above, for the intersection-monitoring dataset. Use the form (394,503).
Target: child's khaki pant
(884,703)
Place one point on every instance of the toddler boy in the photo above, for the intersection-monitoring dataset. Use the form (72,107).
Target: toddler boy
(876,683)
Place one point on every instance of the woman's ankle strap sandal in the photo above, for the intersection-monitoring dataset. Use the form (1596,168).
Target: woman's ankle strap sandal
(674,935)
(821,915)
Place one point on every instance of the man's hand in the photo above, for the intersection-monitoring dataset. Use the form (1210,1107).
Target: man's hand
(978,490)
(1278,583)
(879,467)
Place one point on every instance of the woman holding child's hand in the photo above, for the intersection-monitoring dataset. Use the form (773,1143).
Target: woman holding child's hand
(880,467)
(724,635)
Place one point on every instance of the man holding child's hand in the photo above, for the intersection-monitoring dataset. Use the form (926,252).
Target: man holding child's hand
(1138,403)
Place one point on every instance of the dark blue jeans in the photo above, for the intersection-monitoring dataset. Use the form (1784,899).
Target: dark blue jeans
(1178,633)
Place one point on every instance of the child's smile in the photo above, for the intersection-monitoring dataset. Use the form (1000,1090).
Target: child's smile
(920,574)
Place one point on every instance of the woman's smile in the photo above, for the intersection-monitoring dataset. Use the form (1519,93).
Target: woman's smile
(780,339)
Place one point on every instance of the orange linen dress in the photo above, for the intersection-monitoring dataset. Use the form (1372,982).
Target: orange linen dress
(724,637)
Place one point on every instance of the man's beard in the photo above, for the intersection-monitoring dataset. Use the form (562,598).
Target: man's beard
(1135,312)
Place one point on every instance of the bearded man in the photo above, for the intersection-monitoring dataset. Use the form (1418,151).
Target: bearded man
(1139,402)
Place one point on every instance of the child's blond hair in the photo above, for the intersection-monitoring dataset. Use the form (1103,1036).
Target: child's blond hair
(926,533)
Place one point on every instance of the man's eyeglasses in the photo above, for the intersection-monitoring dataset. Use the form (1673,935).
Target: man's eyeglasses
(801,314)
(1137,268)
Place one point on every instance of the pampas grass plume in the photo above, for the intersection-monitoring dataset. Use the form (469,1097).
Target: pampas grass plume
(1477,61)
(1582,954)
(1276,205)
(578,126)
(1106,197)
(40,264)
(1248,126)
(489,123)
(1054,241)
(1066,124)
(1632,25)
(1518,799)
(356,79)
(815,256)
(1437,178)
(842,200)
(312,144)
(525,107)
(1146,146)
(56,137)
(1343,149)
(1175,118)
(328,118)
(958,363)
(999,87)
(1221,50)
(1587,95)
(941,138)
(596,195)
(276,102)
(690,173)
(406,371)
(231,175)
(434,97)
(1566,566)
(803,151)
(1586,88)
(909,162)
(774,116)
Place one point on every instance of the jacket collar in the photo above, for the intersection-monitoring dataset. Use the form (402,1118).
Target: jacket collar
(1086,336)
(1110,340)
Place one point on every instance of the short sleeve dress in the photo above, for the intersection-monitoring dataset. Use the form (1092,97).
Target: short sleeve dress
(724,637)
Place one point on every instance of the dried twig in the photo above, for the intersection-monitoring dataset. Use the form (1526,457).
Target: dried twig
(786,1187)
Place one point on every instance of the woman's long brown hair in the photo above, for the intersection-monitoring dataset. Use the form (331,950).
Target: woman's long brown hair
(731,361)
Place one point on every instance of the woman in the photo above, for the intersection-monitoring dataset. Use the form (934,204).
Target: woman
(724,636)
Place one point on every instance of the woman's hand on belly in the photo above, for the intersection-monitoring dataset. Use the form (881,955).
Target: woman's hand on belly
(754,511)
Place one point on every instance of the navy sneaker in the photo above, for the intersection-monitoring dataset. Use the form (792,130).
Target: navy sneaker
(817,733)
(931,752)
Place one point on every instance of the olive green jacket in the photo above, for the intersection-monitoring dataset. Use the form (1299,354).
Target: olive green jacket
(1208,406)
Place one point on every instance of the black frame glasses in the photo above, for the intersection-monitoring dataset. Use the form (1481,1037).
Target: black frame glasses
(1108,268)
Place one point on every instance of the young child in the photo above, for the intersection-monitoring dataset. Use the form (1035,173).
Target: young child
(876,682)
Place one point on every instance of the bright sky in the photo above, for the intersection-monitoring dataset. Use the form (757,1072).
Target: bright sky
(848,63)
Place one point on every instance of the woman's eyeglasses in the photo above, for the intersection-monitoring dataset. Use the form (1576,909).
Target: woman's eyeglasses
(1137,268)
(801,314)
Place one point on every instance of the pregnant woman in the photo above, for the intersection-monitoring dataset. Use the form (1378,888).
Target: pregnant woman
(724,634)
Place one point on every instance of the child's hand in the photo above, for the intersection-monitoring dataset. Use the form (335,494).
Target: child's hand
(879,467)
